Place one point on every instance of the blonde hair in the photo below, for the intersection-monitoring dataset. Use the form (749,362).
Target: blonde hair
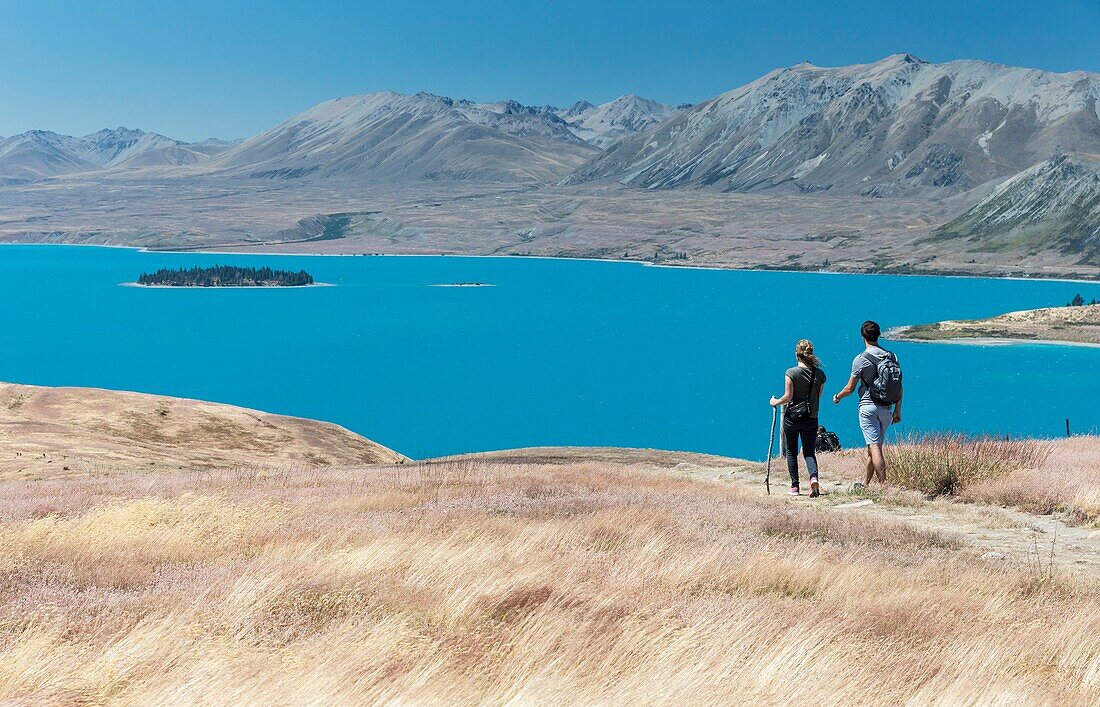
(804,352)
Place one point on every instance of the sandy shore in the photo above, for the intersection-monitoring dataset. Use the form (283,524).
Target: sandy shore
(993,341)
(1066,326)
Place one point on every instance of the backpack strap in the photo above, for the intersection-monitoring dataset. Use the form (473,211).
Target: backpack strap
(874,361)
(813,379)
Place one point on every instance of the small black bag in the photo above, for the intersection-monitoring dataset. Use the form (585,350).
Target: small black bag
(800,411)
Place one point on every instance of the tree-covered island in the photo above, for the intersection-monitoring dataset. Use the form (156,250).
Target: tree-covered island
(225,276)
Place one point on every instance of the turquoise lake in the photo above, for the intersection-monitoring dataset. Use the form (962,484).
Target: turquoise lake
(558,352)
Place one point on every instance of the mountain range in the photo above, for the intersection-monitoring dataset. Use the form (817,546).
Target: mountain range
(380,137)
(40,154)
(900,126)
(897,126)
(1016,149)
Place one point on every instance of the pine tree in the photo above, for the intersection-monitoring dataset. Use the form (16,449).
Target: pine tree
(226,276)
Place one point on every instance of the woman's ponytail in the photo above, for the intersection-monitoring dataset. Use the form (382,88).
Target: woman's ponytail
(804,352)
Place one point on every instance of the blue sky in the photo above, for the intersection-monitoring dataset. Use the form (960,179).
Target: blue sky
(229,69)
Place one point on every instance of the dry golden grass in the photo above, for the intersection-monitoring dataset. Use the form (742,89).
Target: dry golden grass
(1067,481)
(50,432)
(1060,477)
(939,464)
(471,582)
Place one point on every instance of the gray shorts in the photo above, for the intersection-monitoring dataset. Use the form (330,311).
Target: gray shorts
(874,420)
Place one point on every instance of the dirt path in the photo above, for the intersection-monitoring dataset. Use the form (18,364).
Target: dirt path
(1000,534)
(1003,534)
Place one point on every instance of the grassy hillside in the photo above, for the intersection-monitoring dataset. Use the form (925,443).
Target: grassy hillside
(565,578)
(47,432)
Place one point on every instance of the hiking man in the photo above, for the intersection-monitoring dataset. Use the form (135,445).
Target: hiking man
(878,375)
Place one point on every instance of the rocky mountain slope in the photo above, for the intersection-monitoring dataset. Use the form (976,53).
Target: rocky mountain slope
(391,137)
(606,124)
(897,126)
(1054,205)
(125,148)
(40,154)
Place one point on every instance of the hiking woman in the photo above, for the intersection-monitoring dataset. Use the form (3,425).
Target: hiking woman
(802,397)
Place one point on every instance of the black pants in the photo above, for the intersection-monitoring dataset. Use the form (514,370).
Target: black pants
(806,432)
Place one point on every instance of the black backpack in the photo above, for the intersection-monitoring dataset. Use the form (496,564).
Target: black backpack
(885,387)
(827,441)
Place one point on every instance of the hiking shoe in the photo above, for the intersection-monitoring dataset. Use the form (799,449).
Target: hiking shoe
(815,488)
(793,491)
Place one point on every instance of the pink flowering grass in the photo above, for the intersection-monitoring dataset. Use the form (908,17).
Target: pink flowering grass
(471,582)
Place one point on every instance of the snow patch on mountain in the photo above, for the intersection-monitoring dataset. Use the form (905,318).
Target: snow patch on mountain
(809,165)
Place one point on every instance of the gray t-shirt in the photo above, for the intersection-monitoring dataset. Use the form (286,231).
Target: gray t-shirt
(800,378)
(865,371)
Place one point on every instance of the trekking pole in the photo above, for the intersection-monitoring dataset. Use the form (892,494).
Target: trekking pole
(782,424)
(771,444)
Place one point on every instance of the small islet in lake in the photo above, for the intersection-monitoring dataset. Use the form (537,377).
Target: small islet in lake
(224,276)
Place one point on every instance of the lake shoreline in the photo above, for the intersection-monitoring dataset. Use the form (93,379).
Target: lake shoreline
(1070,325)
(908,272)
(987,341)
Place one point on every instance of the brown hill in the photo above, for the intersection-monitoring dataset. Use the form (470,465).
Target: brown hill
(61,431)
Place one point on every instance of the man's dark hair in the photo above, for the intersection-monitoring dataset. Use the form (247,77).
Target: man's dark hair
(870,331)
